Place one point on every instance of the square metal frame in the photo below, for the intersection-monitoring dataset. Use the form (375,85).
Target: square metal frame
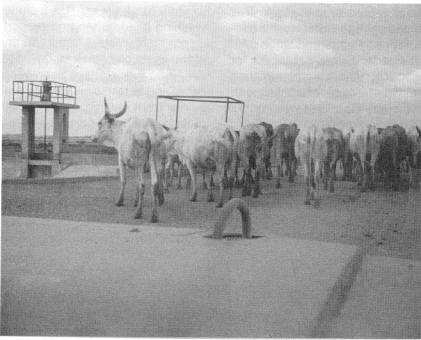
(202,99)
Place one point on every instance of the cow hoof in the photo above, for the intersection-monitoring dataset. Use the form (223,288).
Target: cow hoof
(135,204)
(331,190)
(193,198)
(161,200)
(317,203)
(219,205)
(167,191)
(119,203)
(291,180)
(278,185)
(138,215)
(154,219)
(255,194)
(307,202)
(179,187)
(211,199)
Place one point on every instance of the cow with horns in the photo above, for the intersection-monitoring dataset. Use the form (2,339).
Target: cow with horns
(138,142)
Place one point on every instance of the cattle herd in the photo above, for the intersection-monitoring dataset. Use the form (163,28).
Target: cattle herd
(367,154)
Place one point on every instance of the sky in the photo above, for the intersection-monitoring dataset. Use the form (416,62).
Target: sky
(332,64)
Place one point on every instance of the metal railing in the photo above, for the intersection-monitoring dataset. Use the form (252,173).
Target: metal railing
(43,91)
(203,99)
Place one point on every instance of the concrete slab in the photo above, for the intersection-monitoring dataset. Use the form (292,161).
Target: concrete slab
(384,302)
(88,170)
(67,278)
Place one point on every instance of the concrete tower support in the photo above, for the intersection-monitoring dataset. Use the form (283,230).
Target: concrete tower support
(28,138)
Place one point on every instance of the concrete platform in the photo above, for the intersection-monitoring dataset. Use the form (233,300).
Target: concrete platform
(67,278)
(384,302)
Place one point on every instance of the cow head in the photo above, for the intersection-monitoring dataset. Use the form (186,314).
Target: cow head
(107,124)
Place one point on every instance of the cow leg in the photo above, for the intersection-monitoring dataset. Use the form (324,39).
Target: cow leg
(219,176)
(316,190)
(141,193)
(156,189)
(122,168)
(308,191)
(204,185)
(395,172)
(211,197)
(332,176)
(325,174)
(211,182)
(281,173)
(291,169)
(372,174)
(168,175)
(245,181)
(188,182)
(278,178)
(179,173)
(256,188)
(193,197)
(269,174)
(307,172)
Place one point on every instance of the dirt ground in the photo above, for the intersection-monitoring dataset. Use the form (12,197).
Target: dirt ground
(387,222)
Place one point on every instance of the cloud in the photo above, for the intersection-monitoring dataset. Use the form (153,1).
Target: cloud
(122,69)
(409,82)
(92,25)
(260,20)
(155,73)
(15,37)
(301,53)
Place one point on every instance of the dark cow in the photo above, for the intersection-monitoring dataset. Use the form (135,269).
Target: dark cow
(414,139)
(269,133)
(283,150)
(394,150)
(347,160)
(252,147)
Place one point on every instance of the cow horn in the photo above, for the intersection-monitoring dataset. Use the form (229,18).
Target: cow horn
(107,110)
(116,115)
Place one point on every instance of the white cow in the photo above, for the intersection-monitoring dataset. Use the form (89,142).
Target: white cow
(414,139)
(138,142)
(364,145)
(205,148)
(311,151)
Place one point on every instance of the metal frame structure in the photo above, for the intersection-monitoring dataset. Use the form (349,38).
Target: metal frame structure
(203,99)
(43,91)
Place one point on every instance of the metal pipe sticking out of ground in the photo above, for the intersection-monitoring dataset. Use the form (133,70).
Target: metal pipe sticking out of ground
(226,212)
